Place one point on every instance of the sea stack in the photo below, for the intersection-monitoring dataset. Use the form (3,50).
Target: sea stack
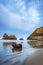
(7,37)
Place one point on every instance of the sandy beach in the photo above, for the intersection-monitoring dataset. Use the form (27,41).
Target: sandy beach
(36,58)
(26,56)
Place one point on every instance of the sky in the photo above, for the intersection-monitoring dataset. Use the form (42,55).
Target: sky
(20,17)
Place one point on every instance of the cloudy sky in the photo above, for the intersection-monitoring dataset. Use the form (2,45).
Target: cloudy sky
(20,17)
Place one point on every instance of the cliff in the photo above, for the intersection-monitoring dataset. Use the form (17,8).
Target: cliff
(37,34)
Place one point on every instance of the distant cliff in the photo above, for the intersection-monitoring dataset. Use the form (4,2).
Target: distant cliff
(37,34)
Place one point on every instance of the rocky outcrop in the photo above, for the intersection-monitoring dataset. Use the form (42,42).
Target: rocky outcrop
(11,37)
(5,36)
(17,45)
(21,39)
(37,34)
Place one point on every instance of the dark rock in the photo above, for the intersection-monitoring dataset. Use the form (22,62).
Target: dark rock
(21,39)
(17,45)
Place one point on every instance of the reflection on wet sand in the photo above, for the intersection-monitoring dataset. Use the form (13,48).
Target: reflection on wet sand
(21,56)
(36,44)
(8,43)
(16,47)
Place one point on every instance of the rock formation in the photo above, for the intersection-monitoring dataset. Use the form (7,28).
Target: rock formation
(21,39)
(11,37)
(37,34)
(5,36)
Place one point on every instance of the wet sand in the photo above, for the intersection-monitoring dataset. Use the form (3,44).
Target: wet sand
(25,56)
(36,58)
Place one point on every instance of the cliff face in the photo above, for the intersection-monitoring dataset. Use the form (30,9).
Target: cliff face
(37,34)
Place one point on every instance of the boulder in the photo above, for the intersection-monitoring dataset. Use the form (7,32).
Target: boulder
(21,39)
(17,45)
